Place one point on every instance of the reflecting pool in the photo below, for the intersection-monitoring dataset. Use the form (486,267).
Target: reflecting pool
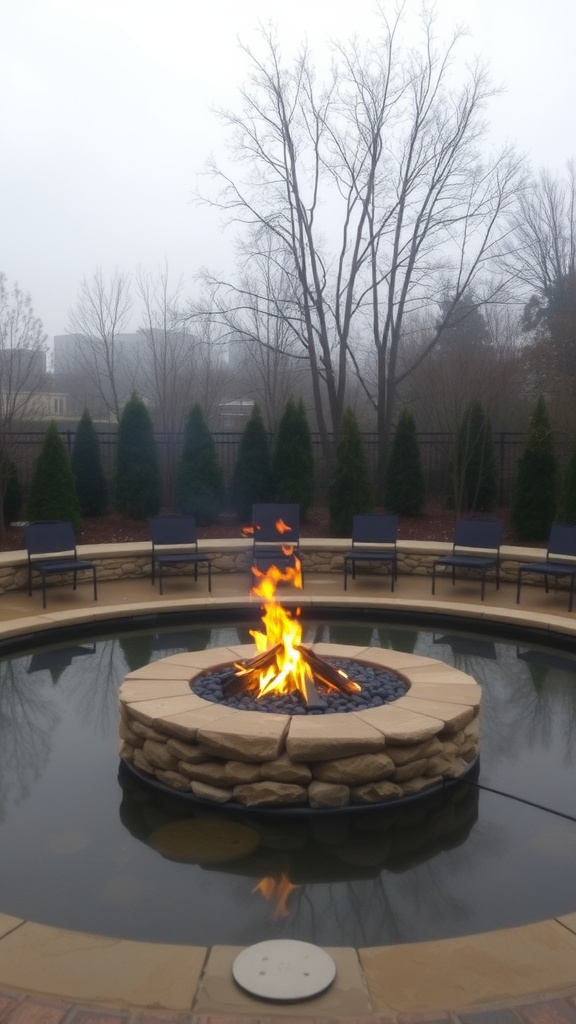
(83,844)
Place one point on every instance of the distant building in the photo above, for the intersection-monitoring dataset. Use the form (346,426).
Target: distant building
(235,414)
(21,369)
(68,346)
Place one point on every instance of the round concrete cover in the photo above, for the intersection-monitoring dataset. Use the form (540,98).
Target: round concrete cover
(284,969)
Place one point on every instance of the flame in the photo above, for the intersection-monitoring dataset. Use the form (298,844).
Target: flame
(288,665)
(289,671)
(278,889)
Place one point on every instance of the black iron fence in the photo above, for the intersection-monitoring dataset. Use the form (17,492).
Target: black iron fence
(435,450)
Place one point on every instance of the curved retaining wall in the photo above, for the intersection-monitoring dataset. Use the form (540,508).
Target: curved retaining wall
(319,555)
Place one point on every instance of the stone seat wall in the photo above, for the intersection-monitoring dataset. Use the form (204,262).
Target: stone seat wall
(132,560)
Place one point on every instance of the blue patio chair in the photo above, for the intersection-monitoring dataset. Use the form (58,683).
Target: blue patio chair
(276,535)
(476,546)
(175,542)
(560,559)
(51,548)
(374,538)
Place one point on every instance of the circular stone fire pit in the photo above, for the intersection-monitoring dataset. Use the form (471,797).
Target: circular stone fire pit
(255,759)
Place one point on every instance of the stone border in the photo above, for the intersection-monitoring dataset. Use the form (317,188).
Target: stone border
(259,759)
(133,560)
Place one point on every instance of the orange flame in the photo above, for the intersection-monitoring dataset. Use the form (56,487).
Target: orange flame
(281,526)
(289,671)
(278,889)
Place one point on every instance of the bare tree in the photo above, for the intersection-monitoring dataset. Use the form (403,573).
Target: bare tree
(167,365)
(545,264)
(101,313)
(545,232)
(374,190)
(22,373)
(177,366)
(257,316)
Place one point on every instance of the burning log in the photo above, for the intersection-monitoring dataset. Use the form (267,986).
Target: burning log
(333,678)
(283,664)
(248,674)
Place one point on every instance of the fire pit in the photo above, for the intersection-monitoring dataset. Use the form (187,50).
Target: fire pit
(307,754)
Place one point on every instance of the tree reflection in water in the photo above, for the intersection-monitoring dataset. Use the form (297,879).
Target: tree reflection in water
(465,860)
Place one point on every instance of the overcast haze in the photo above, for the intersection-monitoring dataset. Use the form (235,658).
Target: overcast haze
(107,119)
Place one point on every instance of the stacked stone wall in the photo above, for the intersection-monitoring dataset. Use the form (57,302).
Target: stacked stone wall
(132,561)
(260,759)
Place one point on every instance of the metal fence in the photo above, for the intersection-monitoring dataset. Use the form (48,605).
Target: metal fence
(435,450)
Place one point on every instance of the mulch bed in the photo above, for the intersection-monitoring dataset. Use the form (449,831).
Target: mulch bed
(435,524)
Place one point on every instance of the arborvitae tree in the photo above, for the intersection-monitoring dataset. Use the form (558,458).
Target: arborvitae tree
(567,508)
(252,479)
(534,491)
(53,488)
(13,495)
(137,486)
(404,488)
(294,458)
(87,468)
(199,477)
(350,488)
(473,469)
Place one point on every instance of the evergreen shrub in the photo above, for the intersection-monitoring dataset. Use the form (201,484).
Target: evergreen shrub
(350,488)
(13,494)
(567,508)
(53,488)
(404,488)
(293,461)
(199,477)
(534,490)
(86,464)
(137,484)
(252,480)
(473,470)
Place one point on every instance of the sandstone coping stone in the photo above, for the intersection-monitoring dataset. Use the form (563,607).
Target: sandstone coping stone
(246,736)
(156,709)
(454,716)
(402,725)
(185,725)
(322,737)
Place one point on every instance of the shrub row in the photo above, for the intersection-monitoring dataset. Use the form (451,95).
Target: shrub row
(64,488)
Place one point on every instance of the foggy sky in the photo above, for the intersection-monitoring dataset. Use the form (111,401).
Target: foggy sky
(107,119)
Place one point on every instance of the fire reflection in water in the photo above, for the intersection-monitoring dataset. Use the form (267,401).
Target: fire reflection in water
(277,890)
